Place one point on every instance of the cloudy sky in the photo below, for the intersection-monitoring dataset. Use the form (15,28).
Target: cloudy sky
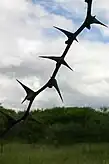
(26,31)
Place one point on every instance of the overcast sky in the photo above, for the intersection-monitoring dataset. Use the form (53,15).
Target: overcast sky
(26,31)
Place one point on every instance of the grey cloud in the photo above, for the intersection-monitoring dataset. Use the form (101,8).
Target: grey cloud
(38,68)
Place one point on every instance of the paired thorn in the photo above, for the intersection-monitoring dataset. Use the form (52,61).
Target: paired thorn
(30,93)
(58,60)
(93,20)
(53,83)
(70,35)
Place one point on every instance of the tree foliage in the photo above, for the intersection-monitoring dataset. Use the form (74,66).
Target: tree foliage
(59,126)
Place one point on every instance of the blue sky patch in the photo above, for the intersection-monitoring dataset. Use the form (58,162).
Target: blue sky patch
(94,34)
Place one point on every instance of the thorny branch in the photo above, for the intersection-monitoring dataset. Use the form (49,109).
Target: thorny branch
(52,82)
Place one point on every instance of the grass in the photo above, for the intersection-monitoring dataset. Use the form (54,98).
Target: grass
(75,154)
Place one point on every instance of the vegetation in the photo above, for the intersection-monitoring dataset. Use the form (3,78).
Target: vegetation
(75,154)
(57,136)
(59,126)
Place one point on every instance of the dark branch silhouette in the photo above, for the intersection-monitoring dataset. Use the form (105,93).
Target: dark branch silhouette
(89,18)
(12,121)
(59,61)
(72,36)
(31,94)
